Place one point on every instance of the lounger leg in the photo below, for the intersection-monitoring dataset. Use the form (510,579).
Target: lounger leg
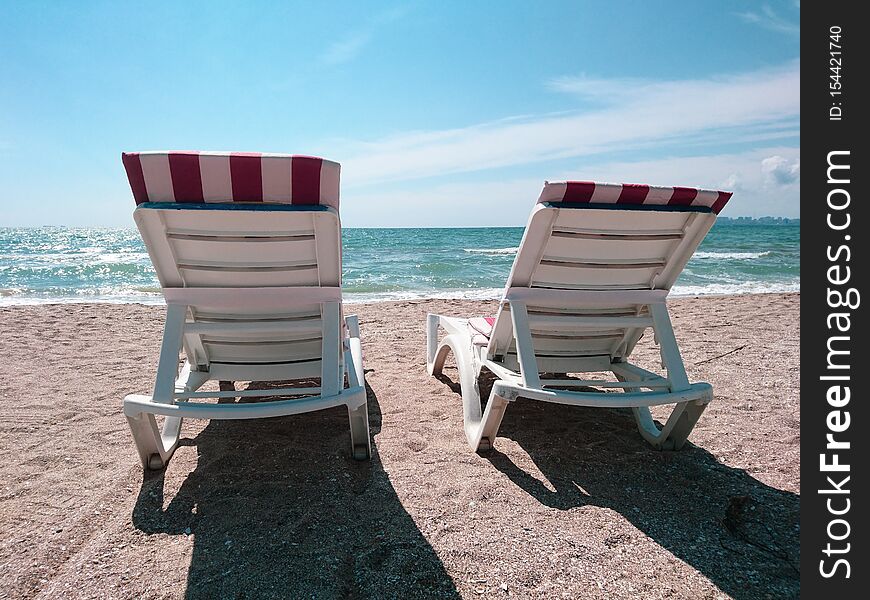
(432,321)
(491,421)
(357,409)
(148,441)
(675,432)
(360,438)
(155,447)
(677,428)
(685,414)
(480,429)
(685,422)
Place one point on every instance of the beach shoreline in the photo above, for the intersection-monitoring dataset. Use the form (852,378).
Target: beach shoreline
(570,503)
(350,300)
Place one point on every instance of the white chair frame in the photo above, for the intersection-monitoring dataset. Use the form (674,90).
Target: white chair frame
(255,315)
(175,394)
(481,426)
(571,306)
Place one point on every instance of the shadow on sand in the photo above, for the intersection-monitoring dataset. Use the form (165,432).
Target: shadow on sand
(738,532)
(279,509)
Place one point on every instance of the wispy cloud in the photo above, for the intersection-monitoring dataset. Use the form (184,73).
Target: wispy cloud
(770,19)
(350,46)
(346,49)
(507,201)
(597,88)
(635,115)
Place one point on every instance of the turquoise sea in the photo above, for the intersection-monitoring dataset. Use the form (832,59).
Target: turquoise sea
(51,264)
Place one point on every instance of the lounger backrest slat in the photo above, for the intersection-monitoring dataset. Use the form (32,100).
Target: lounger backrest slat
(600,237)
(589,248)
(218,248)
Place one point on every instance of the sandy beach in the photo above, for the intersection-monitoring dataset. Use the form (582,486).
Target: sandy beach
(571,503)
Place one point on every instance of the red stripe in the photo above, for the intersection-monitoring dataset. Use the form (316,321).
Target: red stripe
(305,179)
(632,193)
(723,199)
(247,177)
(683,196)
(186,176)
(579,191)
(135,176)
(489,320)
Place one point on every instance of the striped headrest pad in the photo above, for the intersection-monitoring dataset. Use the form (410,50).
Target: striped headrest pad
(585,192)
(231,177)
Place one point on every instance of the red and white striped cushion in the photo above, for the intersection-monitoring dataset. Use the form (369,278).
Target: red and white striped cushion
(232,177)
(482,325)
(480,329)
(584,192)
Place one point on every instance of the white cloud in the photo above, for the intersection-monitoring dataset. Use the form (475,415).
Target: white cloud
(349,47)
(507,202)
(771,20)
(781,171)
(651,114)
(731,183)
(597,88)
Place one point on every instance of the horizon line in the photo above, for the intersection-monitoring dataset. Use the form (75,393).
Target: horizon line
(132,226)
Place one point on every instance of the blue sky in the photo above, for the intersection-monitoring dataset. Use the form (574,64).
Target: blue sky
(441,113)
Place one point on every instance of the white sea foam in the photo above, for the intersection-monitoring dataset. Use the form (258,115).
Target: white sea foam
(55,259)
(730,255)
(492,251)
(715,289)
(136,296)
(123,258)
(735,289)
(701,255)
(475,294)
(120,299)
(102,295)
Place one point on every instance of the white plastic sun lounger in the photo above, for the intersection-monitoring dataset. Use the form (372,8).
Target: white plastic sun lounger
(247,248)
(591,276)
